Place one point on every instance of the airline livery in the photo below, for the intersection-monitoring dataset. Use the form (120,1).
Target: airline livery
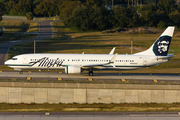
(77,63)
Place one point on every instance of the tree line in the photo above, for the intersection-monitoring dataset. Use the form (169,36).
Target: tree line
(95,15)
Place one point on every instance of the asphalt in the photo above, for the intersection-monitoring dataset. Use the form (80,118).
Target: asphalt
(45,32)
(103,77)
(89,116)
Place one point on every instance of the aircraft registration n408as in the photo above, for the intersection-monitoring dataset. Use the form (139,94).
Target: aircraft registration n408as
(77,63)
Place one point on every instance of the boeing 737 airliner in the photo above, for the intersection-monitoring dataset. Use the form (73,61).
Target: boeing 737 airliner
(77,63)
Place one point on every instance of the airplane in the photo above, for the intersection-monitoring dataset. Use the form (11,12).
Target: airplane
(77,63)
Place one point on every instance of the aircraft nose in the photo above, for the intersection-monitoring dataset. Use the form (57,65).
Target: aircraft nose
(7,62)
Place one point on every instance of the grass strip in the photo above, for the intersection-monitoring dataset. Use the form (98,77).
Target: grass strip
(14,30)
(122,107)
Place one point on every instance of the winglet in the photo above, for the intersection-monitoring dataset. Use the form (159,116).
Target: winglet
(112,51)
(113,59)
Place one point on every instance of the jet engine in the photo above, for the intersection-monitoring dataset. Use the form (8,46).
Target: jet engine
(72,70)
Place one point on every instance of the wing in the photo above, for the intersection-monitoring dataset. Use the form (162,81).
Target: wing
(102,64)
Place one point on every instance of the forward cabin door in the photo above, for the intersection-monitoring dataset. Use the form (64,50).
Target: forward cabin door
(25,60)
(145,61)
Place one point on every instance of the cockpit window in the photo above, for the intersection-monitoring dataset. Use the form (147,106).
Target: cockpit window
(14,58)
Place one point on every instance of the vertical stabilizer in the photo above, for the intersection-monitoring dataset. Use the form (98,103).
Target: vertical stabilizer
(161,45)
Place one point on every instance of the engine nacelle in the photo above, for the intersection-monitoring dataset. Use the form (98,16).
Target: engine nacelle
(72,70)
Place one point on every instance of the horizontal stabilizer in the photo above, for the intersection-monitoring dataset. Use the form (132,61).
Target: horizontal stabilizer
(165,57)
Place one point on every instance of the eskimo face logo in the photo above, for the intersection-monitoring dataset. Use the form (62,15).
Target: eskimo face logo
(162,46)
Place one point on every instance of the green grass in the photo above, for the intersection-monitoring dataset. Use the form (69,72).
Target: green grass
(66,40)
(19,26)
(7,37)
(13,27)
(135,107)
(33,27)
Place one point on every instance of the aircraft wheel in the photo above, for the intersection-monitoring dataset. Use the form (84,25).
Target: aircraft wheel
(90,73)
(21,72)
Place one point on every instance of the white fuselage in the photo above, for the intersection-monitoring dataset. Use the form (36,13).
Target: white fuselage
(85,61)
(76,63)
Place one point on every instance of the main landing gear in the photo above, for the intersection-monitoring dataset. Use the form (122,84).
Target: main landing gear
(20,72)
(90,73)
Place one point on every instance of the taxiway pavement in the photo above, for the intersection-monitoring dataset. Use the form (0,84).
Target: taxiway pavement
(84,76)
(90,116)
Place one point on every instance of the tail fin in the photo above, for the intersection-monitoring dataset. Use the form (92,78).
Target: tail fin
(161,45)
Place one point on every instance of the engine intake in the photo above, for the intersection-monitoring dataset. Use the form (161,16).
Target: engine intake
(72,70)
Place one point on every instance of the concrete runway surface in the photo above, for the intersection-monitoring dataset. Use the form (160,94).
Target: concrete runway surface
(91,116)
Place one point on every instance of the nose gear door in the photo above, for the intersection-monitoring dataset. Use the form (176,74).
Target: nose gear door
(24,60)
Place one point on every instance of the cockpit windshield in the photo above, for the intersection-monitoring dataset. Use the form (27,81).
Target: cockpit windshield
(14,58)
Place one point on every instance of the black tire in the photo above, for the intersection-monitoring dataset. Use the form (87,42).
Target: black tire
(90,73)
